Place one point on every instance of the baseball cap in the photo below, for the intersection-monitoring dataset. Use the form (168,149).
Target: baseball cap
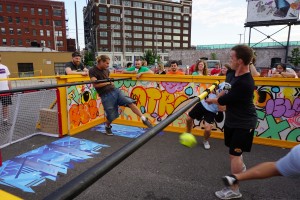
(75,54)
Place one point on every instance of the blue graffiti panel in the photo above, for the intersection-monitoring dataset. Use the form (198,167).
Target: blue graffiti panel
(34,167)
(121,130)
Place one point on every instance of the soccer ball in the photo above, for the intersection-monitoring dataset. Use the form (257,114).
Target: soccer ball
(188,140)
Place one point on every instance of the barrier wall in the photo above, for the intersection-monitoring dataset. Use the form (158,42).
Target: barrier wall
(277,104)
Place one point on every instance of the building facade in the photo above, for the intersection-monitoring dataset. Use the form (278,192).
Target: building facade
(125,29)
(27,23)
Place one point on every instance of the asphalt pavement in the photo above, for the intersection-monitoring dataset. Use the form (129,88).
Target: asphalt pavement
(162,169)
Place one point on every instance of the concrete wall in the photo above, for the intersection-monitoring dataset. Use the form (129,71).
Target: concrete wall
(264,55)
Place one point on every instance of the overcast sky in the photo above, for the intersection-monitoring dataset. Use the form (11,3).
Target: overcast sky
(213,22)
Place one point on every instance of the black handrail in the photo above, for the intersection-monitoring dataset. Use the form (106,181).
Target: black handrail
(77,185)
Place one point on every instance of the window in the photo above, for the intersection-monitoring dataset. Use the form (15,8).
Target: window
(12,42)
(48,33)
(103,26)
(138,35)
(177,17)
(26,30)
(148,36)
(17,10)
(148,14)
(41,32)
(20,42)
(25,20)
(128,42)
(128,49)
(157,22)
(185,38)
(148,43)
(4,41)
(57,12)
(41,22)
(138,28)
(167,8)
(148,5)
(24,9)
(138,43)
(128,19)
(32,11)
(103,42)
(114,18)
(126,3)
(32,21)
(186,9)
(10,20)
(167,23)
(40,11)
(115,10)
(158,15)
(158,7)
(11,31)
(57,23)
(168,16)
(3,30)
(1,8)
(127,12)
(128,58)
(186,18)
(115,2)
(176,44)
(138,4)
(185,45)
(59,43)
(167,44)
(148,21)
(176,37)
(185,32)
(103,33)
(34,32)
(147,28)
(168,30)
(177,10)
(117,42)
(1,19)
(46,12)
(102,1)
(156,29)
(137,13)
(47,22)
(102,18)
(177,24)
(58,33)
(186,25)
(167,37)
(19,31)
(176,30)
(138,20)
(127,27)
(102,10)
(28,41)
(159,37)
(8,8)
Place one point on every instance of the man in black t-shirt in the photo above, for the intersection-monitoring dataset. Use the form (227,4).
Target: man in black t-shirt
(112,97)
(241,117)
(75,66)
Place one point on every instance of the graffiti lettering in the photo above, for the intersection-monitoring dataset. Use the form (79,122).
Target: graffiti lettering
(172,87)
(281,107)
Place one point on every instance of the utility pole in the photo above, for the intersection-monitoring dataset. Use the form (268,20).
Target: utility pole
(54,36)
(123,34)
(76,27)
(240,37)
(112,41)
(96,48)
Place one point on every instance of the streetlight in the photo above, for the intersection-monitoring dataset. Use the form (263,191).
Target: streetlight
(240,34)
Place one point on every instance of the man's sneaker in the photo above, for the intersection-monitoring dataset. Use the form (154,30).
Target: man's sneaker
(147,123)
(206,144)
(228,193)
(108,131)
(229,180)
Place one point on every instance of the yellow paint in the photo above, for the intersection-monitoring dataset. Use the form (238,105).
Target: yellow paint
(7,196)
(63,105)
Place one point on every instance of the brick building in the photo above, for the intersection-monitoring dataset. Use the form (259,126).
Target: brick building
(123,28)
(26,23)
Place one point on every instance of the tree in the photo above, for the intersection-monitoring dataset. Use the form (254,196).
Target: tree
(295,58)
(150,57)
(213,56)
(89,59)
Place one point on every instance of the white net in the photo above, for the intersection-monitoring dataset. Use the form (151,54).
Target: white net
(27,114)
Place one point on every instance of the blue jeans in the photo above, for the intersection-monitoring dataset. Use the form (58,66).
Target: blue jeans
(111,102)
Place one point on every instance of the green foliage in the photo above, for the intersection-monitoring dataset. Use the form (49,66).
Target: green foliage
(150,57)
(295,58)
(89,59)
(213,56)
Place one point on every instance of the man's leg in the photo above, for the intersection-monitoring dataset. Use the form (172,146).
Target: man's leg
(237,165)
(108,128)
(189,124)
(137,111)
(207,131)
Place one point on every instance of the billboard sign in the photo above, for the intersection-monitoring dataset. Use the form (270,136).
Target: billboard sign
(270,10)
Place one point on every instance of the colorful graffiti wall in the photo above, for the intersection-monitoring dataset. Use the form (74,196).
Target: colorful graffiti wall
(277,107)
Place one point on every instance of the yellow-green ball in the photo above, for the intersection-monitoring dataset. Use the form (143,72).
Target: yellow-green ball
(188,140)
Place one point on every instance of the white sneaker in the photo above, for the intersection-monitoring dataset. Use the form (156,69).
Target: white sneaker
(228,193)
(206,144)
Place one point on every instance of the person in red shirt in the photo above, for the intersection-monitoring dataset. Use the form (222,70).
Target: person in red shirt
(216,70)
(174,69)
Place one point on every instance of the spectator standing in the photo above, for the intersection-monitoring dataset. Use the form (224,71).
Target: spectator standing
(216,70)
(75,66)
(224,69)
(5,85)
(174,69)
(161,69)
(128,65)
(200,68)
(282,72)
(138,69)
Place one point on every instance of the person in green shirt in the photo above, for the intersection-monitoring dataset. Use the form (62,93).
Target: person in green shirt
(138,69)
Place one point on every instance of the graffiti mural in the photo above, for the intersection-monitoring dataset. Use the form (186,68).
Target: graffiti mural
(84,105)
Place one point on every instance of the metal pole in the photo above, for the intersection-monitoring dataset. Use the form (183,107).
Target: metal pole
(54,36)
(249,36)
(123,33)
(287,45)
(76,28)
(96,48)
(113,45)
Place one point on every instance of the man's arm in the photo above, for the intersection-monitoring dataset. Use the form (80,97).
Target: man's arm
(99,85)
(70,72)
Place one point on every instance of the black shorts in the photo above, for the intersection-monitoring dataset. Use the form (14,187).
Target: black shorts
(199,113)
(238,140)
(5,100)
